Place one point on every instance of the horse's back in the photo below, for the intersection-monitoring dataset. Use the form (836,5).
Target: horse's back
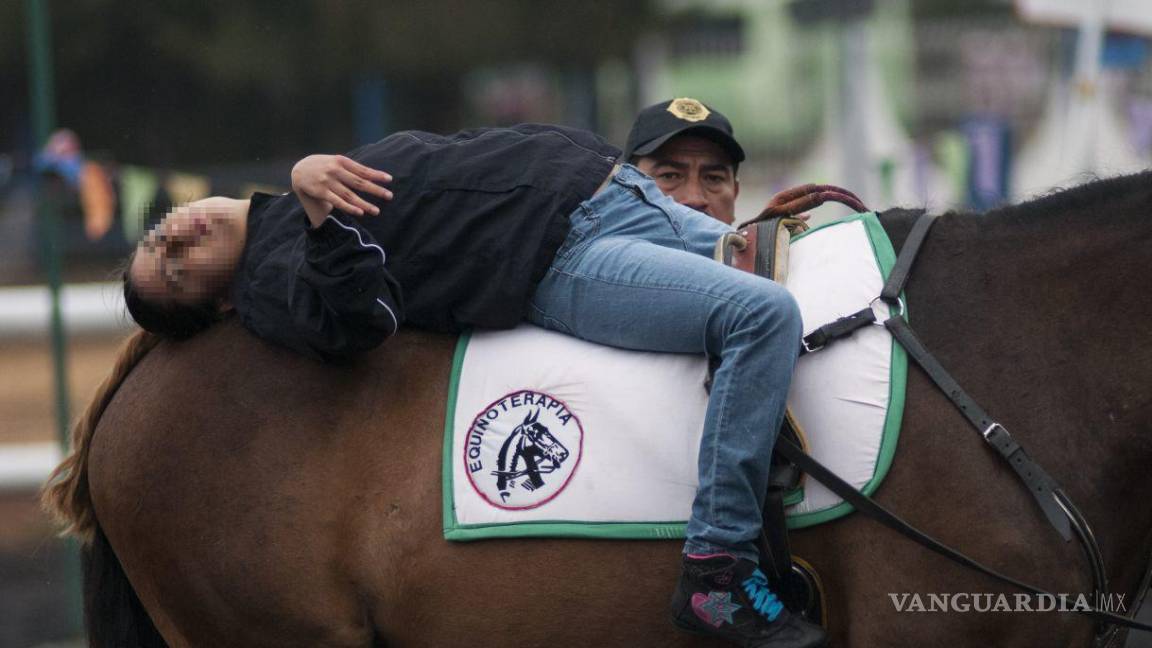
(259,498)
(237,482)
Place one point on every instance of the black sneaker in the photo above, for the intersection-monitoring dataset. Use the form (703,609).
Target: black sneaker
(723,596)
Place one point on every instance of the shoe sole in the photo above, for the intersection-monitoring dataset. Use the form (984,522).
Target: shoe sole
(706,633)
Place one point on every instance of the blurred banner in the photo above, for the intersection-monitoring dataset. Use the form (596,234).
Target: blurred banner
(138,187)
(186,187)
(1133,16)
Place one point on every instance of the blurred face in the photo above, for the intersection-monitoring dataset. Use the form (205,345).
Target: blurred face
(189,258)
(695,172)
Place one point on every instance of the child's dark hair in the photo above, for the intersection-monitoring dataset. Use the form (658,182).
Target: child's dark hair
(168,318)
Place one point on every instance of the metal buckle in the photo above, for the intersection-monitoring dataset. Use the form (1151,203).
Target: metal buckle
(808,349)
(880,320)
(988,430)
(737,240)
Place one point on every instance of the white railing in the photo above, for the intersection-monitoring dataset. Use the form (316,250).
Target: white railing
(85,308)
(25,466)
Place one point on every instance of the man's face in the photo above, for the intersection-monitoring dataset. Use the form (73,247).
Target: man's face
(695,172)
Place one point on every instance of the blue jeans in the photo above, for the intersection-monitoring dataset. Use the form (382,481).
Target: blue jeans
(636,272)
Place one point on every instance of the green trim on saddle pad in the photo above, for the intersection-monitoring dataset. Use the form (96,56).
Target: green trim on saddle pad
(898,374)
(453,530)
(449,508)
(794,496)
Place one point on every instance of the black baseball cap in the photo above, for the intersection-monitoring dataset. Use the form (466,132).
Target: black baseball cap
(659,123)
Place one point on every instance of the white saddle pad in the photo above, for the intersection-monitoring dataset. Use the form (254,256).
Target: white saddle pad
(549,435)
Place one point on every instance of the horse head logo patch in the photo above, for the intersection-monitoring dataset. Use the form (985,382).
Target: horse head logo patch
(522,450)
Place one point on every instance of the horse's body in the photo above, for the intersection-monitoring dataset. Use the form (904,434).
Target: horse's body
(256,498)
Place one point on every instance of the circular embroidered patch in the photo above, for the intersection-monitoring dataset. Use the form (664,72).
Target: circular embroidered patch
(521,450)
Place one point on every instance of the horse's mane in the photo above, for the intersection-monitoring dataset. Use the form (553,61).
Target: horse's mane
(1073,201)
(1123,202)
(66,496)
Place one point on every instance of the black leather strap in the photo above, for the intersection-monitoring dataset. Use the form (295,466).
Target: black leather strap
(775,532)
(842,327)
(975,414)
(908,253)
(768,233)
(1039,483)
(869,507)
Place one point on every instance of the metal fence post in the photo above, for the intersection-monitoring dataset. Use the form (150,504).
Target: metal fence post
(43,109)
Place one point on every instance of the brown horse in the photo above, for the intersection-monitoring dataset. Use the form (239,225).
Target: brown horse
(256,498)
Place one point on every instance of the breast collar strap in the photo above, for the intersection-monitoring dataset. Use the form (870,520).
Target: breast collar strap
(1054,503)
(1043,487)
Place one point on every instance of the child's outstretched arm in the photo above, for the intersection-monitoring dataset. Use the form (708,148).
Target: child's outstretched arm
(328,292)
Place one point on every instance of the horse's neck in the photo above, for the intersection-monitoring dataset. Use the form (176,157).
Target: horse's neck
(898,223)
(1042,314)
(1048,304)
(1066,251)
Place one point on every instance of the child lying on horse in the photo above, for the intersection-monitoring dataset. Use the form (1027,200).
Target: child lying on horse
(485,228)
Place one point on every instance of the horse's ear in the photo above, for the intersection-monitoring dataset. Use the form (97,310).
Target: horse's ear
(535,416)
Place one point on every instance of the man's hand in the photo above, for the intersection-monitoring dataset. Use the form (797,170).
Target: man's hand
(325,182)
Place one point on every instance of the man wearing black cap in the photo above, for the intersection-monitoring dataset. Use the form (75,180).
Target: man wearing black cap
(689,150)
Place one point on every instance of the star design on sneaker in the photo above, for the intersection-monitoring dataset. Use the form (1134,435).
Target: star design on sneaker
(716,608)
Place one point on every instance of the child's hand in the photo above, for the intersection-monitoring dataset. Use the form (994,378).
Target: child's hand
(324,182)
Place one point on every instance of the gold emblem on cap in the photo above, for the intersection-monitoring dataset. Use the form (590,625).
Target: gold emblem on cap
(688,109)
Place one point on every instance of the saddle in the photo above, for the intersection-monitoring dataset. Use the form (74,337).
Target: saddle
(761,246)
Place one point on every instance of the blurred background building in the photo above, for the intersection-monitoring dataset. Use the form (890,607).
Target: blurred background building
(945,104)
(937,103)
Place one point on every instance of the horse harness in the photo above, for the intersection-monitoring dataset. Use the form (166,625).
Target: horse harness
(760,245)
